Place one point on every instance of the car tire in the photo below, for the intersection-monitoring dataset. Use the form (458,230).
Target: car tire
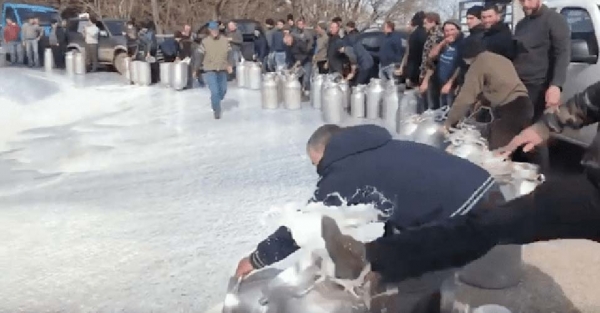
(119,62)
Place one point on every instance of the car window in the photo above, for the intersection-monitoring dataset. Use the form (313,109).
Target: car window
(579,20)
(45,18)
(10,13)
(116,28)
(582,27)
(246,28)
(372,41)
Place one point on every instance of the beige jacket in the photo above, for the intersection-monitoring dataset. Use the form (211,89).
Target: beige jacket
(492,77)
(321,52)
(215,53)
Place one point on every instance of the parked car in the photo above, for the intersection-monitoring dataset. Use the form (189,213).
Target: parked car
(371,40)
(247,28)
(112,44)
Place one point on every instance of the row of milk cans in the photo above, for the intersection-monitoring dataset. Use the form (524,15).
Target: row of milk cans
(336,100)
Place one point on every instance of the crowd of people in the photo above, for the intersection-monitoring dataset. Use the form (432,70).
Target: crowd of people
(518,76)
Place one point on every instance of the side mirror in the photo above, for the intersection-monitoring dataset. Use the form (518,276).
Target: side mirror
(103,33)
(580,52)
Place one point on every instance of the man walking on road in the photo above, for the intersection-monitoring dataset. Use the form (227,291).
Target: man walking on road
(215,56)
(90,34)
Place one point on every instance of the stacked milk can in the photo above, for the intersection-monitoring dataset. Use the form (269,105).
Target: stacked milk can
(248,75)
(281,88)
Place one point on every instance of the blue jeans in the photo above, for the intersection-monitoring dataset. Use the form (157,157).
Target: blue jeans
(387,72)
(280,60)
(217,84)
(13,51)
(33,56)
(306,77)
(447,99)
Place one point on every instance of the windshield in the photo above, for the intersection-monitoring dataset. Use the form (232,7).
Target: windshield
(45,17)
(115,28)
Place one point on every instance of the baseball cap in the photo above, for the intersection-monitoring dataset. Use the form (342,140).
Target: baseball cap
(213,25)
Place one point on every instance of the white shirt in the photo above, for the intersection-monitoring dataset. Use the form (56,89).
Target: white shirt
(90,33)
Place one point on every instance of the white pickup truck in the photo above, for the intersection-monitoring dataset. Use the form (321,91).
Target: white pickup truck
(583,17)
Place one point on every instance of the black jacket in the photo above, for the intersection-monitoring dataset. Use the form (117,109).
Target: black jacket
(261,47)
(416,41)
(363,165)
(335,59)
(299,52)
(498,39)
(351,38)
(62,36)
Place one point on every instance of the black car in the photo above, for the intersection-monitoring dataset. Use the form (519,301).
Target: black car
(371,40)
(247,28)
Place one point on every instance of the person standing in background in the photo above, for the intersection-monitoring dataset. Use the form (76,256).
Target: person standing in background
(321,47)
(11,37)
(131,34)
(270,30)
(413,57)
(391,51)
(90,34)
(31,34)
(57,35)
(236,40)
(497,37)
(278,49)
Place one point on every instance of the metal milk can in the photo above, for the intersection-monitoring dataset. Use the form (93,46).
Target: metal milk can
(409,105)
(357,101)
(143,74)
(374,95)
(254,76)
(70,63)
(332,108)
(390,105)
(345,88)
(316,86)
(281,79)
(48,60)
(80,66)
(292,93)
(327,82)
(178,78)
(127,63)
(165,69)
(240,74)
(270,92)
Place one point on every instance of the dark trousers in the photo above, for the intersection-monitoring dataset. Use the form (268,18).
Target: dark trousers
(321,67)
(91,55)
(58,53)
(432,95)
(567,208)
(362,76)
(537,95)
(509,120)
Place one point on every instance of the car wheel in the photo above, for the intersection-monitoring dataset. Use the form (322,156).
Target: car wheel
(119,62)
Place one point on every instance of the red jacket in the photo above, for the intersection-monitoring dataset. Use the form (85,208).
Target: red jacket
(11,32)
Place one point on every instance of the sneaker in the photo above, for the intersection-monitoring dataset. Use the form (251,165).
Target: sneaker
(347,253)
(217,114)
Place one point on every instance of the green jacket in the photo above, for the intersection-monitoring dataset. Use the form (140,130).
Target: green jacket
(215,53)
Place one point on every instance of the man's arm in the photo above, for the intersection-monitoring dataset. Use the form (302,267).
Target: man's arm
(560,39)
(275,248)
(566,209)
(467,96)
(580,110)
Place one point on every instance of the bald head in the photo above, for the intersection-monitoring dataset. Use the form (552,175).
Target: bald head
(319,140)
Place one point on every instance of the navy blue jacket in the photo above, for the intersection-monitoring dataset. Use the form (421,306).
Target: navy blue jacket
(391,50)
(359,55)
(277,45)
(261,47)
(416,182)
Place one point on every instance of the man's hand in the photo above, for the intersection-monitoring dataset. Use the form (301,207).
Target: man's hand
(244,268)
(528,138)
(229,69)
(350,76)
(424,86)
(326,65)
(446,88)
(553,96)
(398,71)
